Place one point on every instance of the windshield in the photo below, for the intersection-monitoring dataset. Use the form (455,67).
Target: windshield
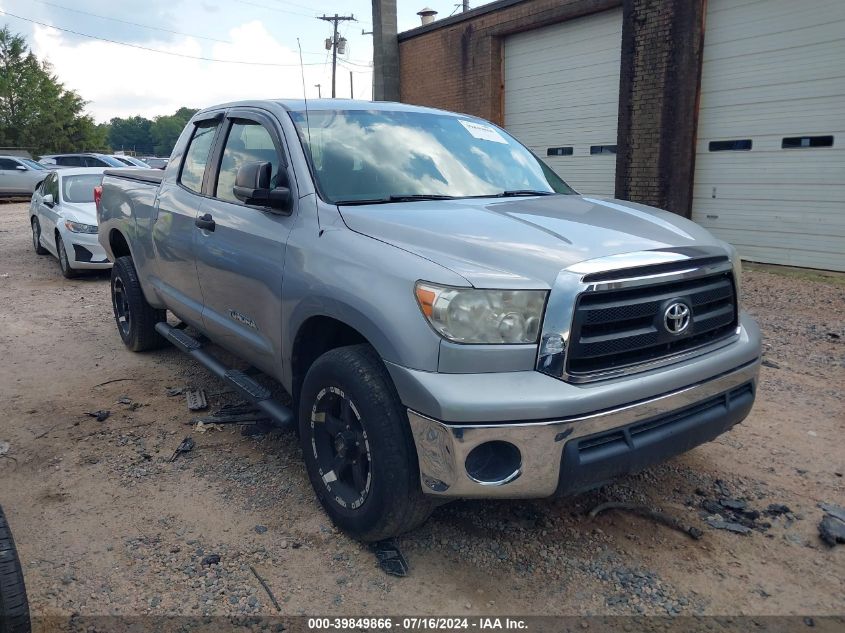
(32,164)
(360,155)
(80,188)
(132,161)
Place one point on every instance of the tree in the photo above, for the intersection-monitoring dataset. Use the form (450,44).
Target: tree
(36,110)
(166,129)
(131,134)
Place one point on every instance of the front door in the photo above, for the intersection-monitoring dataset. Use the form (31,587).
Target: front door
(178,204)
(240,262)
(48,214)
(13,177)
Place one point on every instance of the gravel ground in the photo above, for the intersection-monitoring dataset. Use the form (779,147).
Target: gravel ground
(106,524)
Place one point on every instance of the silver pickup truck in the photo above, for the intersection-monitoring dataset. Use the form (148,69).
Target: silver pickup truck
(450,318)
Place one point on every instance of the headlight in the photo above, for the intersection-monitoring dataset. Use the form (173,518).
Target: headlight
(77,227)
(469,315)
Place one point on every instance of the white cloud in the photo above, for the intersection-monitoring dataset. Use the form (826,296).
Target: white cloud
(122,81)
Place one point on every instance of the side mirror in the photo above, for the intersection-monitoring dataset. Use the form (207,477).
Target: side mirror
(21,168)
(48,200)
(252,186)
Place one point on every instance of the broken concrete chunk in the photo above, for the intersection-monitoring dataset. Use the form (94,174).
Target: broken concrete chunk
(196,399)
(833,510)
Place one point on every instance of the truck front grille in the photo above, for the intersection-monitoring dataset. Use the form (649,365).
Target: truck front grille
(614,329)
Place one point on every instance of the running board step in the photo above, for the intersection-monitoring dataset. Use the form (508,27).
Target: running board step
(255,393)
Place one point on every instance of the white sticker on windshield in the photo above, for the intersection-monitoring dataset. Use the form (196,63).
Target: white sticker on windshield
(483,132)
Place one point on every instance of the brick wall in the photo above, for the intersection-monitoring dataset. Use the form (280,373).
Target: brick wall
(456,64)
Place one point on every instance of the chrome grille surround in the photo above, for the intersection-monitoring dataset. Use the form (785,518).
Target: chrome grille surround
(620,272)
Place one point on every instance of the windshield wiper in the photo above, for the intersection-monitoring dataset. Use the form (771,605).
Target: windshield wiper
(524,192)
(411,197)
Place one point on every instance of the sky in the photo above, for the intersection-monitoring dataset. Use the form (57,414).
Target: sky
(121,81)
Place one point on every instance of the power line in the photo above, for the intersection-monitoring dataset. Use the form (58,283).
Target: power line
(143,26)
(152,50)
(264,6)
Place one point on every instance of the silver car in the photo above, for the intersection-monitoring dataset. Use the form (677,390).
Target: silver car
(20,176)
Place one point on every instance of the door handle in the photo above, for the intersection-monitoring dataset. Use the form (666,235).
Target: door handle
(205,222)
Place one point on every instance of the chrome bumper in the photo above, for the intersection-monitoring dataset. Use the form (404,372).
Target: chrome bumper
(442,449)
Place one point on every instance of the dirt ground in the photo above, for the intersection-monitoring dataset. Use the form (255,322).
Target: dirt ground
(105,524)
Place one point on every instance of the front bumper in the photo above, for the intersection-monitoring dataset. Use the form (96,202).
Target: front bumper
(569,455)
(85,251)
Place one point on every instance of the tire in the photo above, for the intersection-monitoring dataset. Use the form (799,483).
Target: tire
(14,607)
(364,466)
(64,262)
(135,318)
(36,237)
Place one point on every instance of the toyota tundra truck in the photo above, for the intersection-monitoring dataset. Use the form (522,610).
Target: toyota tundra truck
(449,318)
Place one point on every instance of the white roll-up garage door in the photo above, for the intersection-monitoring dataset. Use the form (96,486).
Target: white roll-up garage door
(562,96)
(770,155)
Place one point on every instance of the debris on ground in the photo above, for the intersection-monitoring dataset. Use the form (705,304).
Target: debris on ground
(648,513)
(174,391)
(266,589)
(833,510)
(832,526)
(211,559)
(239,413)
(186,446)
(201,427)
(101,415)
(4,447)
(260,529)
(736,515)
(390,559)
(196,399)
(730,526)
(124,400)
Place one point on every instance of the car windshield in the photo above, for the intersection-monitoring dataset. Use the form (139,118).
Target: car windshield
(80,188)
(32,164)
(384,156)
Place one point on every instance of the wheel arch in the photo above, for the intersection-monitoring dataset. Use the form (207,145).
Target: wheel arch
(118,244)
(316,335)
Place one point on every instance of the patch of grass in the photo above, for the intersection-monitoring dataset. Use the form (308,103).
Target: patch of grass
(810,274)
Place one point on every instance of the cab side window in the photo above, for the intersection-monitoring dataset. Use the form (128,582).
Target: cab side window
(196,156)
(247,142)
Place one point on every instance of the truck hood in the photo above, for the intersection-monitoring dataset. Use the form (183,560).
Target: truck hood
(522,242)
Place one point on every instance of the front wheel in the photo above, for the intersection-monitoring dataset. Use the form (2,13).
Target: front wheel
(136,319)
(36,237)
(358,447)
(64,262)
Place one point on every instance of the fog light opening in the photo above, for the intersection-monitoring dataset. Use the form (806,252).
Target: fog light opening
(494,463)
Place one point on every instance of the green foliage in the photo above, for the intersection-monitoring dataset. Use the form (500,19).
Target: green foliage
(166,130)
(36,110)
(149,137)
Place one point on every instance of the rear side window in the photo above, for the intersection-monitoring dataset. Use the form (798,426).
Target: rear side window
(91,161)
(196,157)
(248,142)
(7,163)
(70,161)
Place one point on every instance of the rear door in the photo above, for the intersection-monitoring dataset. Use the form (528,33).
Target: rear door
(179,202)
(12,180)
(241,262)
(48,214)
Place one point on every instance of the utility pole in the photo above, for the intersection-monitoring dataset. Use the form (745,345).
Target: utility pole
(351,89)
(335,42)
(319,91)
(466,5)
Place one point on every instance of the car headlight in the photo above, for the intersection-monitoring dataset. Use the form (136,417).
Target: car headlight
(78,227)
(470,315)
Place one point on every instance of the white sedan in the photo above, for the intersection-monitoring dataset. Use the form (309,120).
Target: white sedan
(63,217)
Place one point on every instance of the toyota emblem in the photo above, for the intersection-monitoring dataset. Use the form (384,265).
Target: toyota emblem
(677,318)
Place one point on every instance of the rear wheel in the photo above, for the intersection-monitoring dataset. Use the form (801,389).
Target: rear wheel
(136,319)
(358,447)
(36,237)
(64,262)
(14,607)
